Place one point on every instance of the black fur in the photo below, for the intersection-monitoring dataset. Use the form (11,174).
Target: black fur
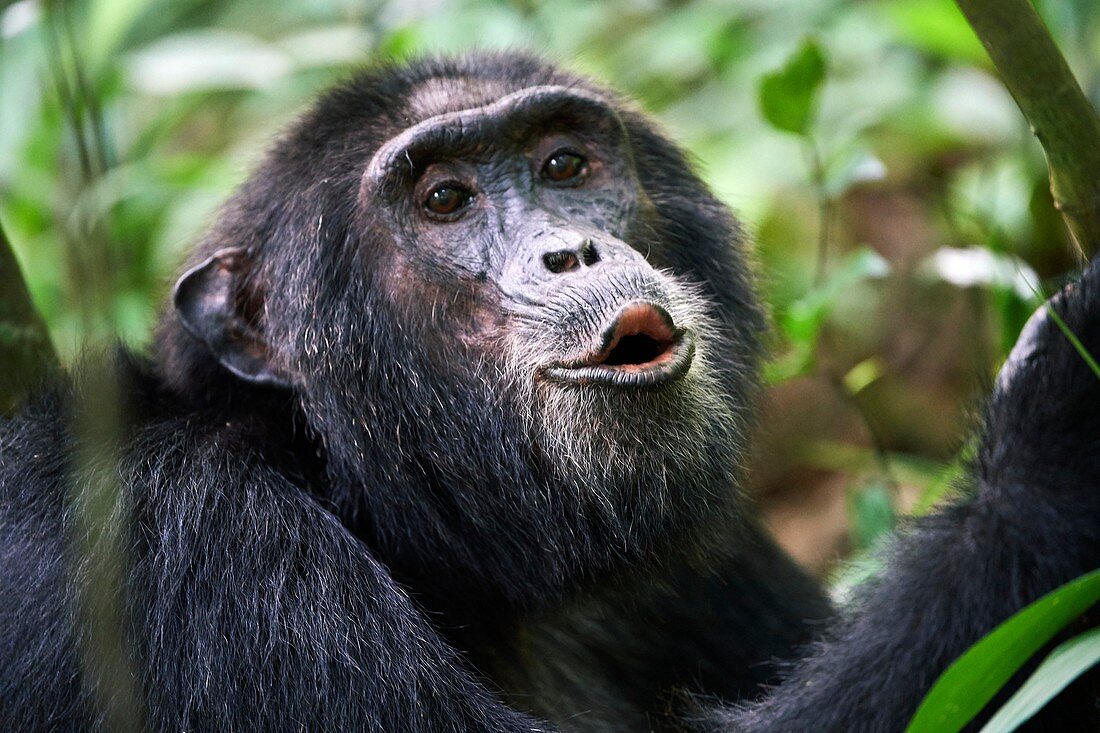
(1028,521)
(386,545)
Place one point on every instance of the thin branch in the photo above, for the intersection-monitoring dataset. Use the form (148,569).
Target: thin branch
(98,131)
(70,105)
(825,205)
(1060,115)
(826,210)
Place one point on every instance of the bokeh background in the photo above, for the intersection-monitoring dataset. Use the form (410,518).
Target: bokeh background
(903,230)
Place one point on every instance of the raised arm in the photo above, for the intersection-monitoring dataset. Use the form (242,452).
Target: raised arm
(1028,521)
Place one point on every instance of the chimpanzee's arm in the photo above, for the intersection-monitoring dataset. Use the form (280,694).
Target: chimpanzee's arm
(257,610)
(1030,521)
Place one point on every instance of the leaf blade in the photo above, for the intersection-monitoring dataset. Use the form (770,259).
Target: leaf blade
(975,677)
(1065,664)
(788,95)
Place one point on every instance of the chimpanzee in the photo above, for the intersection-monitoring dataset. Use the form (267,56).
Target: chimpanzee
(443,429)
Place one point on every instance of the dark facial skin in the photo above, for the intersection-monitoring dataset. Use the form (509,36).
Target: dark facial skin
(526,199)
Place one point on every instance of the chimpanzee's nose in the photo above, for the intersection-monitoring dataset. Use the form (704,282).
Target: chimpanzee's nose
(567,259)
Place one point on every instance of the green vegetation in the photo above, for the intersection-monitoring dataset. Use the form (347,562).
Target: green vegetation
(975,677)
(900,205)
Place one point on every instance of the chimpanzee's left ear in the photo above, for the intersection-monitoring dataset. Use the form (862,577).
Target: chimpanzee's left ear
(213,305)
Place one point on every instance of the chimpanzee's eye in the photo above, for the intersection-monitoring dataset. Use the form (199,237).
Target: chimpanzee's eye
(447,199)
(565,167)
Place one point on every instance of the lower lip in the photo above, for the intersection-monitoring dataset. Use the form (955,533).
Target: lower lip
(668,367)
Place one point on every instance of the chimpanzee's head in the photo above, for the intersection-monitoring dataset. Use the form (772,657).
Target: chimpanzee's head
(520,327)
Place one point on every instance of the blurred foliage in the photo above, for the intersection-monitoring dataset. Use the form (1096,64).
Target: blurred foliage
(892,229)
(788,96)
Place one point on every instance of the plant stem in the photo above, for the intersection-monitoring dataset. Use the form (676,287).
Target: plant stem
(826,206)
(1060,115)
(26,352)
(99,542)
(816,163)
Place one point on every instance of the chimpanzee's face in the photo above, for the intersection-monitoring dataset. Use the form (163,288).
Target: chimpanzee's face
(531,207)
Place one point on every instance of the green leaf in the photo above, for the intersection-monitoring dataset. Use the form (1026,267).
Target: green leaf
(936,27)
(798,362)
(939,487)
(804,317)
(788,96)
(863,374)
(974,678)
(873,513)
(1065,664)
(110,21)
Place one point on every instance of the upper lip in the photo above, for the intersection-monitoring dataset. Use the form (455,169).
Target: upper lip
(640,346)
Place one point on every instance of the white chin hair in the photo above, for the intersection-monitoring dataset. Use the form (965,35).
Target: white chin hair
(601,436)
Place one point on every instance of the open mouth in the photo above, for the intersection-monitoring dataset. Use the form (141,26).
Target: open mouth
(641,347)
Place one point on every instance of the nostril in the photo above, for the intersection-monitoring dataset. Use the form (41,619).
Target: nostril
(589,255)
(560,261)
